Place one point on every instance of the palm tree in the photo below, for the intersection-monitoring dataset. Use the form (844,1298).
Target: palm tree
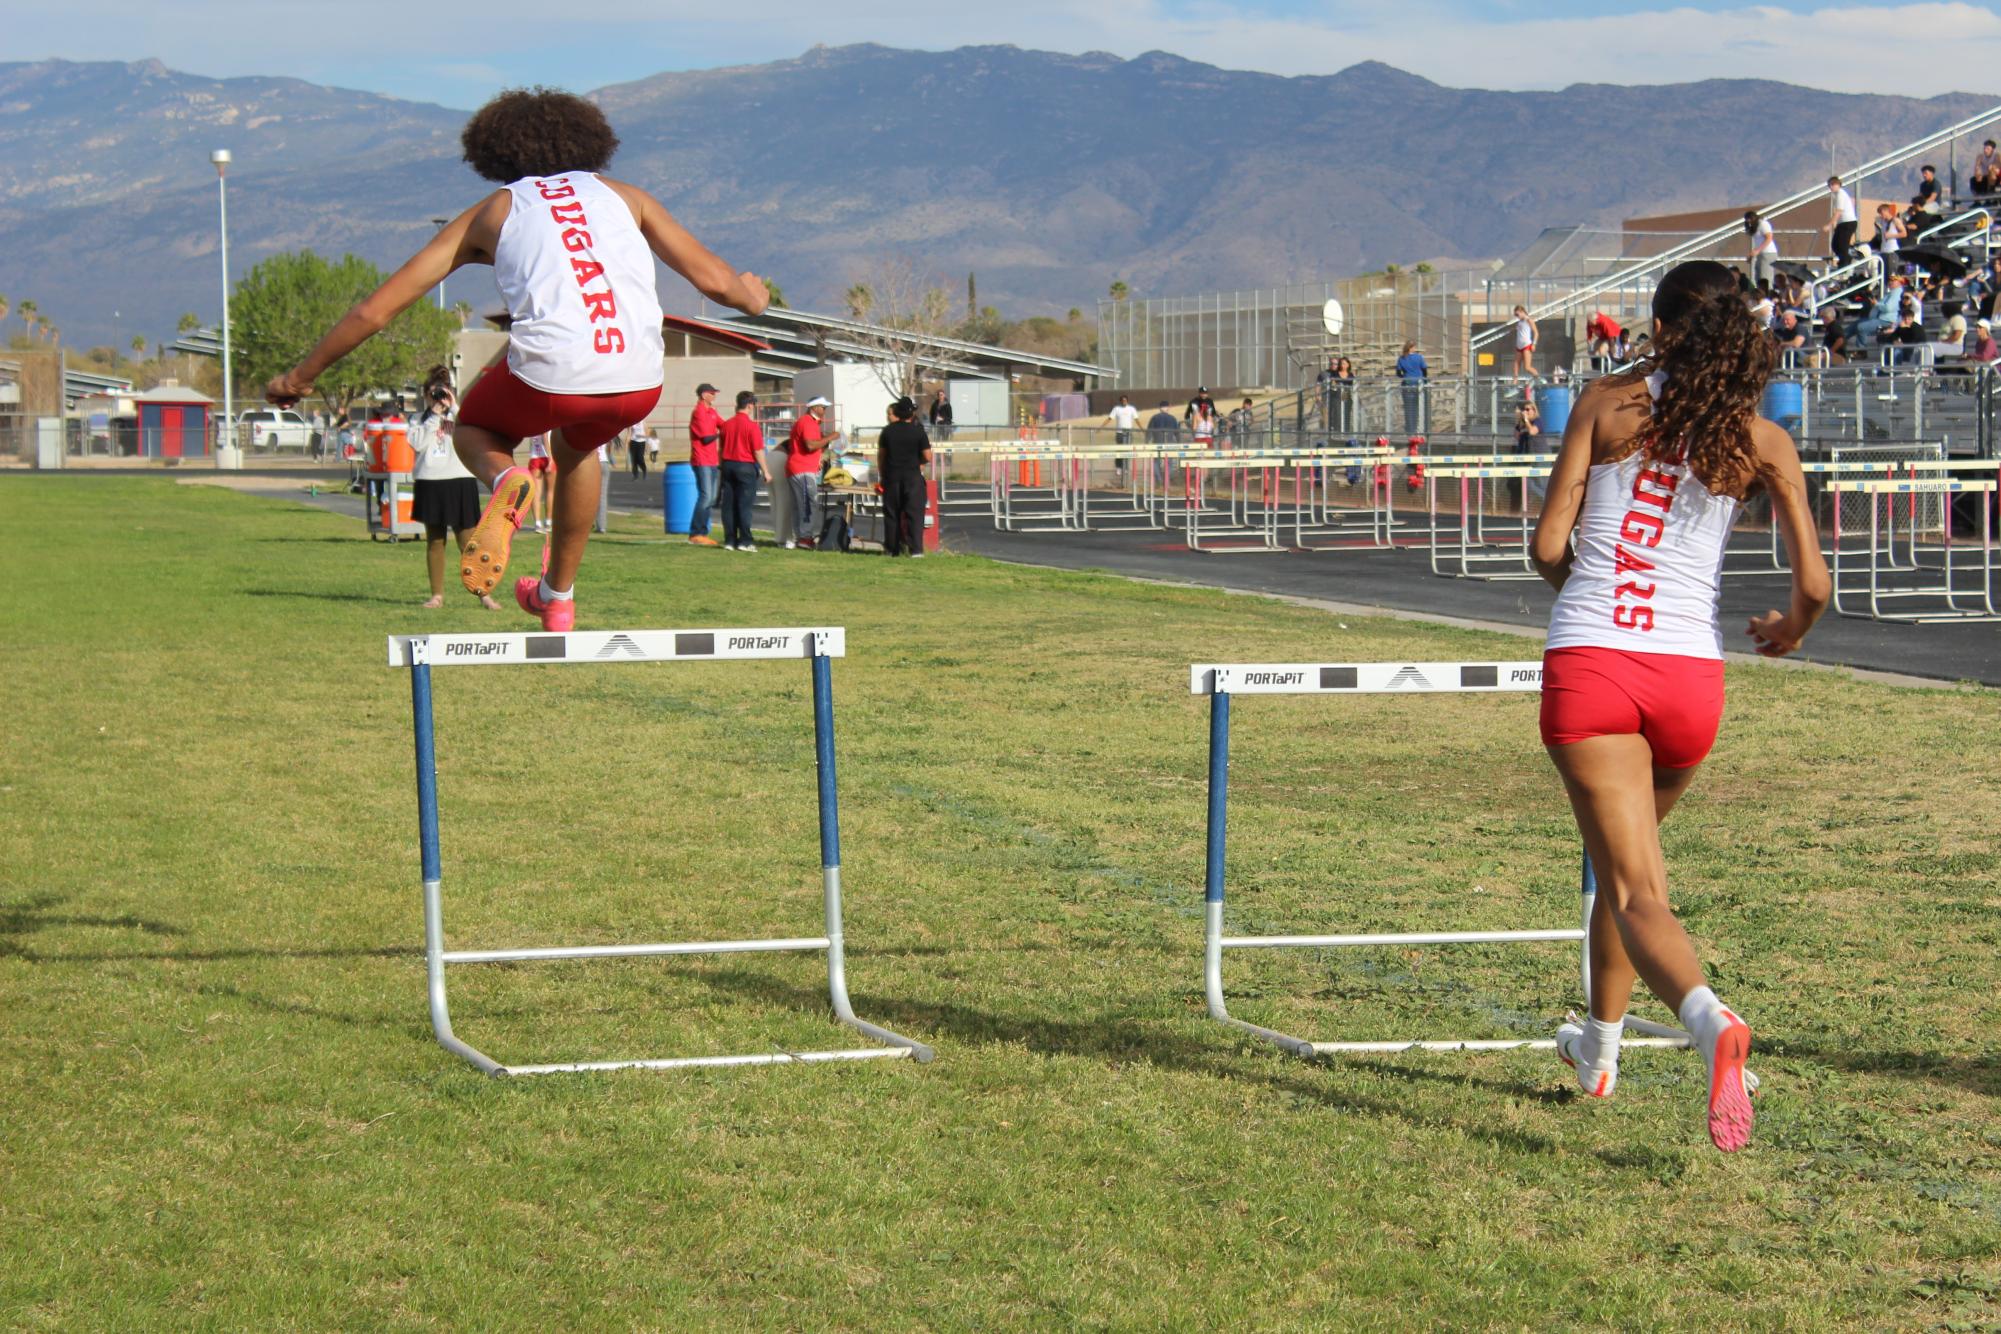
(138,347)
(1120,291)
(463,309)
(31,315)
(3,308)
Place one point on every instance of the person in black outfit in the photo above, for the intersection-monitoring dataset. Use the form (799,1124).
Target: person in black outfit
(901,452)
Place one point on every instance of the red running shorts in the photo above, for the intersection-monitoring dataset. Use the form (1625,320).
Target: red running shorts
(1675,702)
(504,405)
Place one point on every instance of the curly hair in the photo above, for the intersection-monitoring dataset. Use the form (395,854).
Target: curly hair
(1717,359)
(537,132)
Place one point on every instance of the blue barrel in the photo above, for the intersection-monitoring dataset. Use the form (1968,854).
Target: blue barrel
(677,496)
(1784,402)
(1552,405)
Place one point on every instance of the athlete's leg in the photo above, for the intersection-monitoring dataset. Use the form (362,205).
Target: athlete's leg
(485,453)
(1610,780)
(574,505)
(1612,972)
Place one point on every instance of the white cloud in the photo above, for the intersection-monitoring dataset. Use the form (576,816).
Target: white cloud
(1915,49)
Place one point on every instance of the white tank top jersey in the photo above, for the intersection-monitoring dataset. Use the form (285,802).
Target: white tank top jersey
(577,277)
(1649,563)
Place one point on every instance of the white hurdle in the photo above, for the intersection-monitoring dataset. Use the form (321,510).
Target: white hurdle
(1220,683)
(420,653)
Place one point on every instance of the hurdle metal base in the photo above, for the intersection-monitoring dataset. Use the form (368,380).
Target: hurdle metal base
(419,653)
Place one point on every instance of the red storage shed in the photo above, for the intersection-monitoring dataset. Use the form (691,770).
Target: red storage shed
(173,422)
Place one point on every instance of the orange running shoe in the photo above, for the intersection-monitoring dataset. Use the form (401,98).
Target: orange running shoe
(484,559)
(1729,1096)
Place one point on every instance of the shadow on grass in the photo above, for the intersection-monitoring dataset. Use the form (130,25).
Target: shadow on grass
(324,595)
(1125,1039)
(1976,1074)
(332,541)
(27,916)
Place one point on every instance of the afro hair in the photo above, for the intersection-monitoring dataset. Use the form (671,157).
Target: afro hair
(537,132)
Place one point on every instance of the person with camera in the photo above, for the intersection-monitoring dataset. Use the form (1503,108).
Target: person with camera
(444,496)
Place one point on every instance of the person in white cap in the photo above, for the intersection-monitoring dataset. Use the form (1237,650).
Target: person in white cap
(803,448)
(1984,347)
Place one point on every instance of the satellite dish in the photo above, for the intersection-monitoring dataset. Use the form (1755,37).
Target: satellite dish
(1331,318)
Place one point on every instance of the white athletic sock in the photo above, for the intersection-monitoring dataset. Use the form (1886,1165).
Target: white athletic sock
(1599,1047)
(547,594)
(1705,1018)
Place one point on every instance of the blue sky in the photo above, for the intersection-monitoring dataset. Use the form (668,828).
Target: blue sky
(458,55)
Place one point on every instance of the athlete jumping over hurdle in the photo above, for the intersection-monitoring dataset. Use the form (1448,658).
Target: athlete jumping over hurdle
(1653,466)
(569,249)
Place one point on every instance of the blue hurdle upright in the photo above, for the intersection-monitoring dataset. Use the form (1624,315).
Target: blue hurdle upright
(1222,681)
(420,653)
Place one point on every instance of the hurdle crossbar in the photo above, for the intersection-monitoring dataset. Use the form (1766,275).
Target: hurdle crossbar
(1220,682)
(420,653)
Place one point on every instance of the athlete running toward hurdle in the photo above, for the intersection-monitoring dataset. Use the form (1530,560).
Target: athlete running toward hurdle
(1653,466)
(569,249)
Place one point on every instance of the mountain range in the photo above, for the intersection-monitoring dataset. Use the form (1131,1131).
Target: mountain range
(1047,175)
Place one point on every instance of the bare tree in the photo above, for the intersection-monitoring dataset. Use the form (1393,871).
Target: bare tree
(909,318)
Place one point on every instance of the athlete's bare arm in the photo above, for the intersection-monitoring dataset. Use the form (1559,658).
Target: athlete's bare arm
(677,248)
(469,238)
(1779,471)
(1563,501)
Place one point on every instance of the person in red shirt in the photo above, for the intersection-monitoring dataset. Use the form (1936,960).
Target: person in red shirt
(705,439)
(743,464)
(803,449)
(1603,331)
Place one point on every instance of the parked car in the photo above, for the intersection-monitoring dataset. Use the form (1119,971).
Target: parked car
(274,428)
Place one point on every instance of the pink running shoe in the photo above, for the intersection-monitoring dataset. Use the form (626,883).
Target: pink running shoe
(1729,1099)
(484,559)
(556,617)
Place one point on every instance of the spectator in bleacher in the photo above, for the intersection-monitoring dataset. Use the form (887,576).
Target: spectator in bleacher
(1881,317)
(1413,372)
(1764,247)
(1890,231)
(1955,332)
(1524,344)
(1909,337)
(1840,224)
(1925,203)
(1833,337)
(1162,428)
(1983,347)
(1983,287)
(1986,178)
(1793,335)
(1764,306)
(1622,348)
(1199,404)
(1603,333)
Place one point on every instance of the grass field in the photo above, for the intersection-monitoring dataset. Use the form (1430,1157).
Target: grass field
(223,1106)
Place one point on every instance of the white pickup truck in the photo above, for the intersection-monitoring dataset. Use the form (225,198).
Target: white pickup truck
(274,428)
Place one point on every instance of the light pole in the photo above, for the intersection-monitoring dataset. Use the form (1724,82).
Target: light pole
(439,222)
(227,453)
